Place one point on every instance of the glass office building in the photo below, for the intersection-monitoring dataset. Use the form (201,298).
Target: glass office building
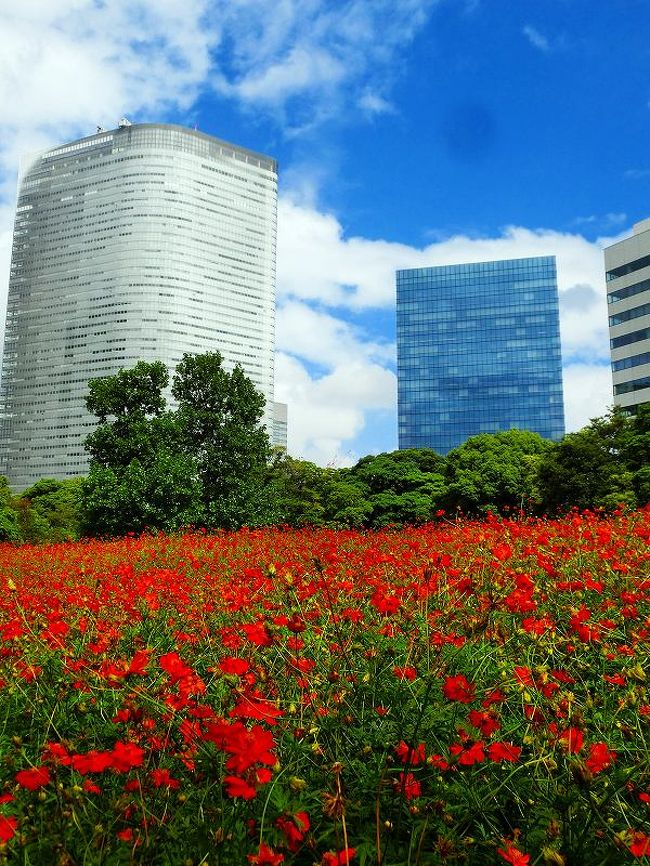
(478,351)
(140,243)
(627,267)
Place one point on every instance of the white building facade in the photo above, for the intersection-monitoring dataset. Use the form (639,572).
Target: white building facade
(627,269)
(140,243)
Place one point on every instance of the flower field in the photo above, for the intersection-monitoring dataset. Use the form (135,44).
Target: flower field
(458,693)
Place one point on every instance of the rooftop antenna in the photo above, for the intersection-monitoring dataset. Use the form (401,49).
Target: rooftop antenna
(100,128)
(124,122)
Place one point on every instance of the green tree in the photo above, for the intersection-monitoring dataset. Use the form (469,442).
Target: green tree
(220,425)
(153,468)
(635,452)
(404,486)
(296,490)
(139,476)
(345,500)
(588,469)
(9,525)
(52,510)
(304,494)
(495,471)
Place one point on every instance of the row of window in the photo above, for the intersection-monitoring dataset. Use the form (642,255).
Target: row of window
(633,361)
(632,337)
(628,292)
(627,315)
(628,268)
(633,385)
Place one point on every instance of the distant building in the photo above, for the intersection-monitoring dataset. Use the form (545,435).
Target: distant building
(279,433)
(627,267)
(478,351)
(139,243)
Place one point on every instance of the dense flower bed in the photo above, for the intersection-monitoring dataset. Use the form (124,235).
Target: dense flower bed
(462,693)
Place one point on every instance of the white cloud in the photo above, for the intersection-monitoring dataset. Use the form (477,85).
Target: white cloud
(69,65)
(587,393)
(326,413)
(323,339)
(537,39)
(373,103)
(636,173)
(306,47)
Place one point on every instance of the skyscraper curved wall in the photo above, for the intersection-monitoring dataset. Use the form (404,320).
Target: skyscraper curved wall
(139,243)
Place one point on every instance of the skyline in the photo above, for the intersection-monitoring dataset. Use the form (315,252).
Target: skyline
(437,132)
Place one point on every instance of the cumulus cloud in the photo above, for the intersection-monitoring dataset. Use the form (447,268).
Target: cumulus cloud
(327,412)
(587,392)
(69,65)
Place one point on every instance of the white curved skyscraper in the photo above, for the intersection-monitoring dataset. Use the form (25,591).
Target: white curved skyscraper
(139,243)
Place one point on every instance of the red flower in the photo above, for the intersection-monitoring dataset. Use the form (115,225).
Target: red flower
(92,762)
(409,785)
(468,753)
(405,673)
(457,688)
(236,787)
(139,662)
(7,827)
(640,845)
(161,778)
(410,755)
(254,707)
(294,828)
(265,856)
(331,858)
(231,665)
(524,675)
(513,856)
(90,787)
(248,747)
(173,665)
(571,740)
(504,752)
(484,721)
(34,778)
(126,756)
(599,758)
(615,680)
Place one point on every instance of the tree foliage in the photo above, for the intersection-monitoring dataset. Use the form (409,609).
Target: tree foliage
(220,427)
(495,471)
(401,487)
(595,467)
(156,468)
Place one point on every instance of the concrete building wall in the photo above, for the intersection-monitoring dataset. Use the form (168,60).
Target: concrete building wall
(627,268)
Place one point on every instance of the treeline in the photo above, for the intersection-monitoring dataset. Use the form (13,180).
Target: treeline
(208,463)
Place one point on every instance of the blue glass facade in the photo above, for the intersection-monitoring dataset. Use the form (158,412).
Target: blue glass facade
(478,351)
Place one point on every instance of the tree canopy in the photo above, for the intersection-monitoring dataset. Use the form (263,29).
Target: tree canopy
(153,467)
(495,471)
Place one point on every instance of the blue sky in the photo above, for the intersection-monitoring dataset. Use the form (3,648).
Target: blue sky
(408,133)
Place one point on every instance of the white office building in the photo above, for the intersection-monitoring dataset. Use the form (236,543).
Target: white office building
(627,267)
(140,243)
